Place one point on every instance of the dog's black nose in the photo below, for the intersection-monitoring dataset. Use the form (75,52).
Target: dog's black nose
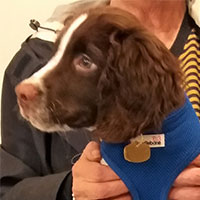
(26,93)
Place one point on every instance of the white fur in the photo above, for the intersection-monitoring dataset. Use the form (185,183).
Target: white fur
(39,116)
(36,78)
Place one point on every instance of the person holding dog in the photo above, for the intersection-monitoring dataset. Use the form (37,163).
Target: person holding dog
(41,166)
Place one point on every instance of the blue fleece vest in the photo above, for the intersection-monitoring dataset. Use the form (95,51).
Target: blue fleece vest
(152,180)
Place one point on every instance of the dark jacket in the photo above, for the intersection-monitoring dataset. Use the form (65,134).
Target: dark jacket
(34,165)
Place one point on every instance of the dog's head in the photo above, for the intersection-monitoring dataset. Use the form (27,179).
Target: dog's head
(108,72)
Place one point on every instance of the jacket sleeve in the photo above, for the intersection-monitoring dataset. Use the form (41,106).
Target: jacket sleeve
(26,171)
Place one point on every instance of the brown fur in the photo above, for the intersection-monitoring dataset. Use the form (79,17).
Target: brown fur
(136,84)
(140,85)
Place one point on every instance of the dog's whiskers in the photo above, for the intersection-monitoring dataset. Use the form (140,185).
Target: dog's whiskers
(52,108)
(59,103)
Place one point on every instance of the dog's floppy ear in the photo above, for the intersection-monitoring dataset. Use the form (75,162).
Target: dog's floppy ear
(139,87)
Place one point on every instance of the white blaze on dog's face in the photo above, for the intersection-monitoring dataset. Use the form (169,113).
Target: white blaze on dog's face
(39,116)
(57,101)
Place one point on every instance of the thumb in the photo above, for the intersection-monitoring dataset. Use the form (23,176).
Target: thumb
(92,152)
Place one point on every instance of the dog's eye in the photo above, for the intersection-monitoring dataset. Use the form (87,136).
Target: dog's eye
(83,62)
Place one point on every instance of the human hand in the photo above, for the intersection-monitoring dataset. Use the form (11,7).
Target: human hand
(187,184)
(92,180)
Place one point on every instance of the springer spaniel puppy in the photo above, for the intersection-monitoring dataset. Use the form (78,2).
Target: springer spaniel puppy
(110,74)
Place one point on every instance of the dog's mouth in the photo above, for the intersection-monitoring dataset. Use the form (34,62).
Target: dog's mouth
(56,118)
(74,116)
(50,114)
(40,118)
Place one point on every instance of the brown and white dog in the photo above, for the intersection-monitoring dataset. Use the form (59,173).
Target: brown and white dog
(108,72)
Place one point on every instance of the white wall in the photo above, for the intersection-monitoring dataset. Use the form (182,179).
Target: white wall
(14,24)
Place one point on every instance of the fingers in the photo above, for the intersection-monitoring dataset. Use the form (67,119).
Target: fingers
(189,177)
(88,167)
(196,161)
(122,197)
(92,180)
(100,190)
(92,152)
(186,193)
(187,184)
(93,171)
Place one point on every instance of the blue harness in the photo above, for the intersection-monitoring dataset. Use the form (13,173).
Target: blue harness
(152,180)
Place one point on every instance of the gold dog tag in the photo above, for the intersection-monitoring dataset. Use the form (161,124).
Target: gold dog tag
(137,152)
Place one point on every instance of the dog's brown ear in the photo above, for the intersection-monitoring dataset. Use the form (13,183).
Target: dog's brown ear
(140,86)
